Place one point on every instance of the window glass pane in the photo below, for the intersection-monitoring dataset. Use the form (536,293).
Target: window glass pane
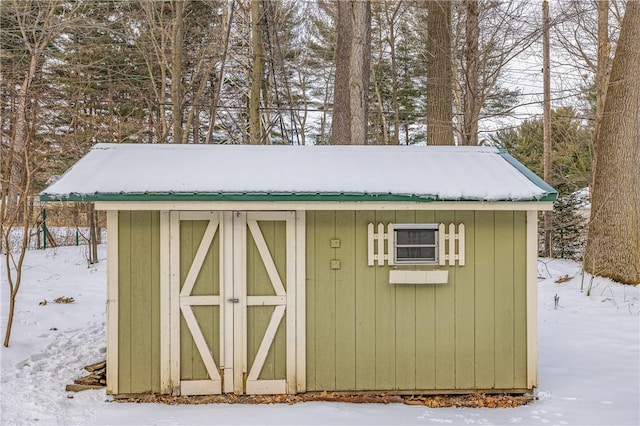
(416,253)
(415,236)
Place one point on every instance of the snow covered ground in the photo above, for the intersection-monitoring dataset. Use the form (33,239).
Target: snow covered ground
(589,359)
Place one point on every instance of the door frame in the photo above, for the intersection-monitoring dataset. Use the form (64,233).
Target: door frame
(232,227)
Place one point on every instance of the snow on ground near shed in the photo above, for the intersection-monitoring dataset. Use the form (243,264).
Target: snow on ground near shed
(589,360)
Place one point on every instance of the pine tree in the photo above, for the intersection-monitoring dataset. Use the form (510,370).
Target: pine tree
(569,227)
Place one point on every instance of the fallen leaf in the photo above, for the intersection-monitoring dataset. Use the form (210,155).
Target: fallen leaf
(563,279)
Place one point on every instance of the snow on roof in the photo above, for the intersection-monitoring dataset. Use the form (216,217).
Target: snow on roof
(121,172)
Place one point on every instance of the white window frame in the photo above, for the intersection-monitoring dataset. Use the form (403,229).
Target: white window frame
(415,226)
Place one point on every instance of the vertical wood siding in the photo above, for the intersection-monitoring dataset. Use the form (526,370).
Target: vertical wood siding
(139,301)
(365,334)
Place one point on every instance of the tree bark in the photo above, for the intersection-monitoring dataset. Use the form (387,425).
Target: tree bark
(218,88)
(359,70)
(257,73)
(176,70)
(602,66)
(439,73)
(390,17)
(93,233)
(613,245)
(546,125)
(472,100)
(351,89)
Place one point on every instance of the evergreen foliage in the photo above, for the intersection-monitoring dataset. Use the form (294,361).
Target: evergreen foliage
(569,226)
(571,158)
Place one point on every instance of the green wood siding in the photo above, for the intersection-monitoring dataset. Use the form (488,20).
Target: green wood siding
(365,334)
(138,302)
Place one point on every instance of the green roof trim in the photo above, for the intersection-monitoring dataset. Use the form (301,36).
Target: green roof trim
(260,196)
(552,194)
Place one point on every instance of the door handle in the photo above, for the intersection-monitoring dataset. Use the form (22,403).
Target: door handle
(234,300)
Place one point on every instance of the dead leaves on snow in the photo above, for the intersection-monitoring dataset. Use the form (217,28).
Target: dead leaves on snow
(60,299)
(471,401)
(432,401)
(563,279)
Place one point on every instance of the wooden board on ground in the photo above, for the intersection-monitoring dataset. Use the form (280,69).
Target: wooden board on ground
(79,388)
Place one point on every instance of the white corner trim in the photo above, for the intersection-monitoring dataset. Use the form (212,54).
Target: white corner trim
(301,357)
(226,289)
(112,302)
(174,302)
(291,280)
(398,276)
(532,299)
(165,305)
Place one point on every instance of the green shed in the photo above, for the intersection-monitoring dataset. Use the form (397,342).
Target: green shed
(288,269)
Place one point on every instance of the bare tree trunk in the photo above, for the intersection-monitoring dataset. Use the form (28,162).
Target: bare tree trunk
(93,238)
(613,244)
(9,222)
(176,70)
(225,51)
(602,66)
(391,17)
(340,127)
(384,137)
(472,100)
(36,26)
(257,73)
(546,124)
(359,71)
(439,73)
(351,89)
(19,140)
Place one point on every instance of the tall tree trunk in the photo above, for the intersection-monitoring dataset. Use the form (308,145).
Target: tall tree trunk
(37,24)
(93,233)
(602,66)
(176,70)
(546,124)
(359,70)
(19,141)
(340,128)
(351,88)
(613,245)
(390,17)
(472,100)
(218,88)
(257,73)
(439,73)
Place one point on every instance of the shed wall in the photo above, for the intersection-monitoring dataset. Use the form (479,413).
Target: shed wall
(139,301)
(365,334)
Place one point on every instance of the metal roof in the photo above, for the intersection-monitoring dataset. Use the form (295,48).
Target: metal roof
(164,172)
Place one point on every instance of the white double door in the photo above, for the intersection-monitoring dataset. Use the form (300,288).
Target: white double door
(233,305)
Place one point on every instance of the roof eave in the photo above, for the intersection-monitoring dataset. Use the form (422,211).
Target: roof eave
(271,197)
(552,194)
